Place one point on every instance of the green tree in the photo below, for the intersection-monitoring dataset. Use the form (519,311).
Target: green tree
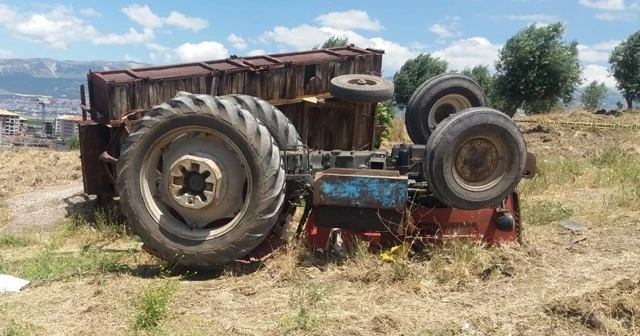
(481,75)
(385,119)
(625,68)
(413,73)
(593,95)
(536,69)
(333,42)
(73,142)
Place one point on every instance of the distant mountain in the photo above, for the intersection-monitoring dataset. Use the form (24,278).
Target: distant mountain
(49,77)
(610,100)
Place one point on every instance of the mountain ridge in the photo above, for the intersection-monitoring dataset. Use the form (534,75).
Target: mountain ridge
(43,76)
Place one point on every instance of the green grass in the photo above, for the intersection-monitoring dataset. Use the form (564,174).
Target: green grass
(536,213)
(609,168)
(152,304)
(13,241)
(49,264)
(306,301)
(14,328)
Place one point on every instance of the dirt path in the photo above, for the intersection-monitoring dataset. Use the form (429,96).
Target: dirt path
(45,208)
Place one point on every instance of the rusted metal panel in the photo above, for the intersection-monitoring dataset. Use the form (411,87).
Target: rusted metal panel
(361,188)
(93,141)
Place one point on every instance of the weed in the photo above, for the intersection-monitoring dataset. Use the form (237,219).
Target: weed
(305,300)
(14,328)
(48,264)
(108,223)
(13,241)
(458,259)
(152,303)
(544,212)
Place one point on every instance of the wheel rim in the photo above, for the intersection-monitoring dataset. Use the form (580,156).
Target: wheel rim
(446,106)
(480,163)
(195,183)
(362,82)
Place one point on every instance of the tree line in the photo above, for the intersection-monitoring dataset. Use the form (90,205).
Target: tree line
(536,71)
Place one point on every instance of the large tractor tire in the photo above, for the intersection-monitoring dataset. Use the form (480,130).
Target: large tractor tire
(281,128)
(200,180)
(475,158)
(283,132)
(436,99)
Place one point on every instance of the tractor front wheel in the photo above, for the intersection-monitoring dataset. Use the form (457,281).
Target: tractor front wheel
(200,180)
(475,158)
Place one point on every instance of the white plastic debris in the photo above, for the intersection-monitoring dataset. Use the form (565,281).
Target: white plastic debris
(10,283)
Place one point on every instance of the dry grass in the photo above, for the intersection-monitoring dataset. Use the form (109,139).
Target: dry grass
(539,288)
(23,170)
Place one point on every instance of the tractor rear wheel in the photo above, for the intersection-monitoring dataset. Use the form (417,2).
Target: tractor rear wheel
(283,132)
(200,180)
(475,158)
(438,98)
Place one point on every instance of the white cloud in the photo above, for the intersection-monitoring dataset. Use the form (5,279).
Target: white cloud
(188,52)
(617,16)
(256,52)
(89,12)
(448,28)
(598,52)
(186,22)
(539,20)
(237,41)
(130,58)
(351,19)
(600,73)
(469,52)
(531,17)
(6,53)
(604,4)
(305,37)
(143,16)
(130,37)
(59,27)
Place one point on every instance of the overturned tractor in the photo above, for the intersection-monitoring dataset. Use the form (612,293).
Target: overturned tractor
(209,160)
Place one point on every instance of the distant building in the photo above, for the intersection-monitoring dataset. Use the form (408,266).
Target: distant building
(67,126)
(24,125)
(9,123)
(48,129)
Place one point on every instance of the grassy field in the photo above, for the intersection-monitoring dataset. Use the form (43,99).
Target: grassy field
(90,277)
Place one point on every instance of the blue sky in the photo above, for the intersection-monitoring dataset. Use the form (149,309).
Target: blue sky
(465,32)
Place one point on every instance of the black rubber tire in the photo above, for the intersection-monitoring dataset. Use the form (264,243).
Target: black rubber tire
(283,132)
(263,160)
(281,128)
(418,108)
(380,90)
(459,128)
(412,99)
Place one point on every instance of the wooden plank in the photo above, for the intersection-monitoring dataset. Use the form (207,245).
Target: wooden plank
(202,85)
(300,84)
(322,74)
(215,82)
(278,102)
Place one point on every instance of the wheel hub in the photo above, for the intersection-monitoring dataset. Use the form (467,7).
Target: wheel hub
(195,182)
(362,81)
(476,160)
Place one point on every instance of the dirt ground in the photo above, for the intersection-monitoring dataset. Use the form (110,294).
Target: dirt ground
(545,286)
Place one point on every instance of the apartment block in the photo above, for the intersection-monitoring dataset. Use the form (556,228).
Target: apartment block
(9,123)
(67,125)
